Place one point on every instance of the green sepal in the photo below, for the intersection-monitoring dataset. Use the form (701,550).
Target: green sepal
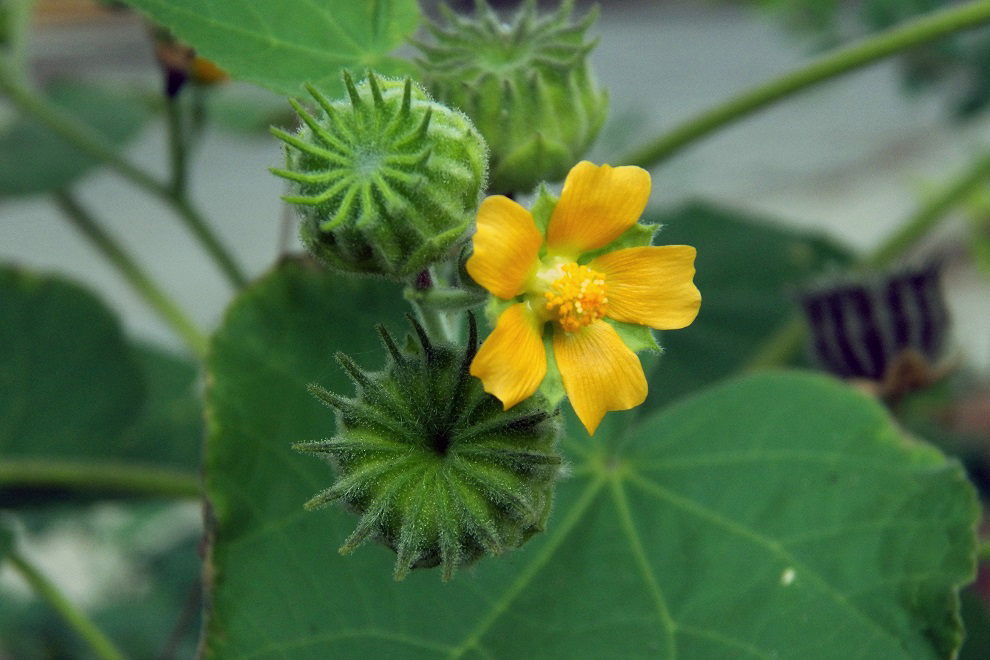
(542,210)
(495,307)
(552,387)
(540,154)
(639,235)
(637,338)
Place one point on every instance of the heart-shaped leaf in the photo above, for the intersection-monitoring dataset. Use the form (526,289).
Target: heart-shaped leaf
(75,394)
(781,515)
(281,45)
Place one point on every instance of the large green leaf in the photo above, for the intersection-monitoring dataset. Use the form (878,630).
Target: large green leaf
(747,271)
(74,392)
(35,160)
(67,380)
(280,45)
(782,515)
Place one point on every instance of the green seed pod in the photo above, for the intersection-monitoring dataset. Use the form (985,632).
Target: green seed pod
(386,182)
(527,86)
(432,464)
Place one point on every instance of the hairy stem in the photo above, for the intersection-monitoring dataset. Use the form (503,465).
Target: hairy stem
(140,281)
(871,49)
(76,618)
(105,477)
(82,137)
(435,321)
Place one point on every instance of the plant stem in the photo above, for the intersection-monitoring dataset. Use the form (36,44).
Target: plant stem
(73,131)
(19,19)
(196,224)
(781,347)
(82,137)
(146,287)
(436,323)
(908,35)
(105,477)
(449,299)
(930,215)
(176,145)
(74,616)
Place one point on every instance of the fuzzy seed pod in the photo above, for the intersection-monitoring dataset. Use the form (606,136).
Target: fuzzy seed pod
(527,86)
(387,182)
(432,464)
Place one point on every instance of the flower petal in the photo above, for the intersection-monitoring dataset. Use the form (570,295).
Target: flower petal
(600,373)
(506,246)
(512,362)
(596,205)
(651,285)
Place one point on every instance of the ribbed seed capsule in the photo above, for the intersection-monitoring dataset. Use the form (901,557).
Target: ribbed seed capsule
(890,328)
(527,86)
(431,463)
(387,181)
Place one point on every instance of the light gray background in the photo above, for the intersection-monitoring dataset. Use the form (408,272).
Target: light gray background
(851,158)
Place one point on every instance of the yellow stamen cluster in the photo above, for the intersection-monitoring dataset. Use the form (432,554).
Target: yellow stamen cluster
(577,297)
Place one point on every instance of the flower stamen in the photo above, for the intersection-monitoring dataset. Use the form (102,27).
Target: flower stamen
(577,297)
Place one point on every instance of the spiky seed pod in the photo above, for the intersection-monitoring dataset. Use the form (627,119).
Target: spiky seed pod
(387,181)
(527,85)
(432,464)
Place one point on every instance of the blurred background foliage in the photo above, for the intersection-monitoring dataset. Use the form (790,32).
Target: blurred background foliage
(958,67)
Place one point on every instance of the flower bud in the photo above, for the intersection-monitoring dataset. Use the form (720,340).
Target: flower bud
(386,182)
(432,464)
(527,86)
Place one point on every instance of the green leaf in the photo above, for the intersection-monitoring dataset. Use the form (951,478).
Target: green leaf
(781,515)
(74,394)
(169,428)
(35,160)
(747,270)
(281,45)
(976,617)
(6,539)
(67,380)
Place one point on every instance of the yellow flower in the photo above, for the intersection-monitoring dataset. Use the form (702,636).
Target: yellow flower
(551,279)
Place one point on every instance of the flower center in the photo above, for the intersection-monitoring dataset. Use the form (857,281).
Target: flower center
(577,297)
